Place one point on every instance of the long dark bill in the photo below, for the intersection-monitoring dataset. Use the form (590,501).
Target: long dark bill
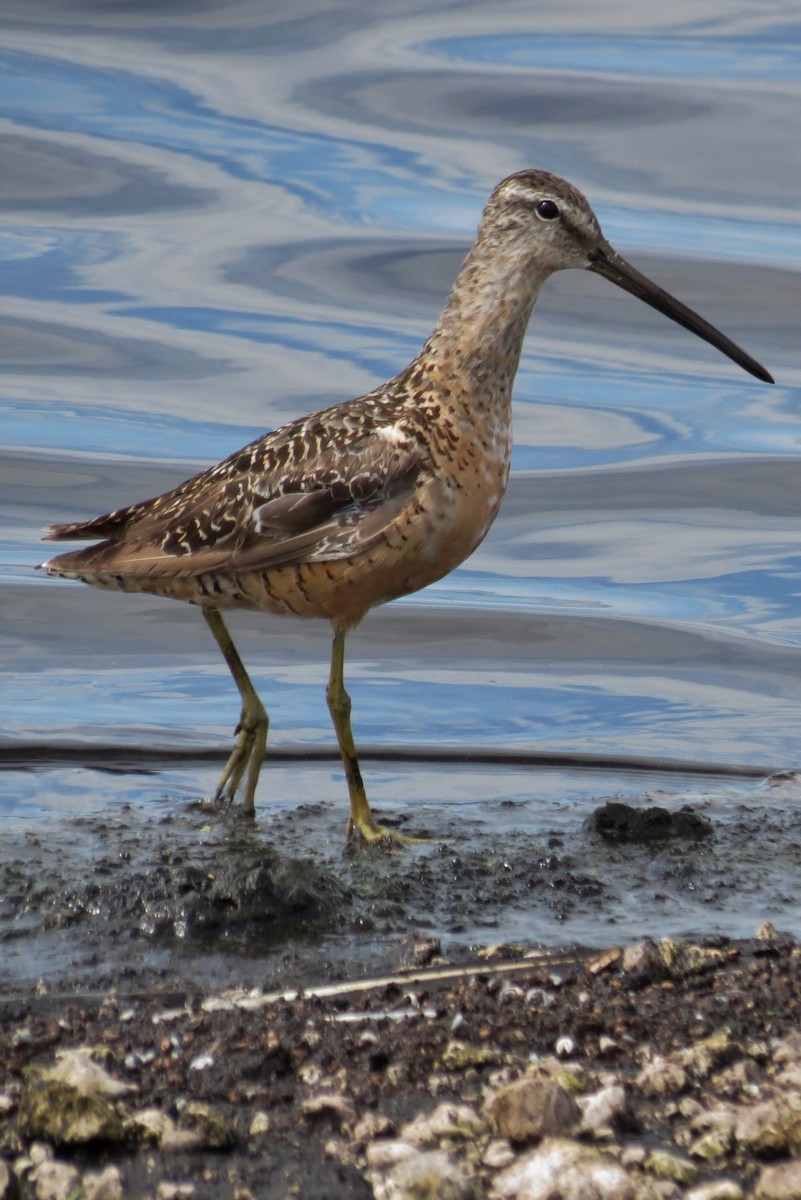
(605,261)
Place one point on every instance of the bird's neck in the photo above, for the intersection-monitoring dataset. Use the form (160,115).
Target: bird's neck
(480,333)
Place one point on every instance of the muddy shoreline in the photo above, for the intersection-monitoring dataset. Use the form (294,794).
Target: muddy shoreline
(361,1090)
(240,1010)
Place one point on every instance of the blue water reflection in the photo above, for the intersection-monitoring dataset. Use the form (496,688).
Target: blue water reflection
(776,55)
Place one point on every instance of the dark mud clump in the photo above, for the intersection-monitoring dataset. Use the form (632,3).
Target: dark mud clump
(618,822)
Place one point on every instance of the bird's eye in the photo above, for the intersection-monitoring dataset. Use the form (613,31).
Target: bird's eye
(547,209)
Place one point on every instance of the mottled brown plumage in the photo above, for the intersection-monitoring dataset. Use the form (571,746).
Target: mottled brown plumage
(377,497)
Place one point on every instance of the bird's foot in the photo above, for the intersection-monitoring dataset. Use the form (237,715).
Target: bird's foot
(366,831)
(234,768)
(246,756)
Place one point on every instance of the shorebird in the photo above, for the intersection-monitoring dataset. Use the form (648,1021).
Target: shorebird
(376,497)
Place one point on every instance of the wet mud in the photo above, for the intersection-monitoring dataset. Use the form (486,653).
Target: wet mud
(177,895)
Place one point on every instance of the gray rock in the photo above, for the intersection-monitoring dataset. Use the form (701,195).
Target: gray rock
(77,1069)
(72,1103)
(643,958)
(562,1169)
(532,1108)
(716,1189)
(771,1128)
(789,1080)
(687,958)
(62,1116)
(780,1181)
(54,1180)
(662,1077)
(715,1129)
(789,1049)
(428,1176)
(709,1053)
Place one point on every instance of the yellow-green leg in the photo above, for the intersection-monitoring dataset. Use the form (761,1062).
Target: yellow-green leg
(361,822)
(251,732)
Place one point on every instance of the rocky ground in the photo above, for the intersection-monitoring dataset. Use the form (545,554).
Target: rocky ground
(657,1070)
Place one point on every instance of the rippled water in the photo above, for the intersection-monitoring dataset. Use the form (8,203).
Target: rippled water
(213,219)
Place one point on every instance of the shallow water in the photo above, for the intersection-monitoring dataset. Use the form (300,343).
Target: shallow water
(214,220)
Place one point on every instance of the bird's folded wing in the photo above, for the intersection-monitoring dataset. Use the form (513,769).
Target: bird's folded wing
(332,504)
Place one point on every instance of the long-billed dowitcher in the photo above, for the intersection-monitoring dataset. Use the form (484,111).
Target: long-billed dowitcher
(377,497)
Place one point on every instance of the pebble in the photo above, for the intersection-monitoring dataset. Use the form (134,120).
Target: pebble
(201,1062)
(703,1056)
(562,1169)
(456,1121)
(510,991)
(712,1145)
(207,1124)
(259,1124)
(103,1185)
(532,1108)
(715,1130)
(388,1152)
(339,1108)
(671,1166)
(460,1056)
(602,1111)
(180,1141)
(167,1190)
(55,1180)
(418,952)
(149,1124)
(498,1154)
(633,1155)
(716,1189)
(539,997)
(372,1125)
